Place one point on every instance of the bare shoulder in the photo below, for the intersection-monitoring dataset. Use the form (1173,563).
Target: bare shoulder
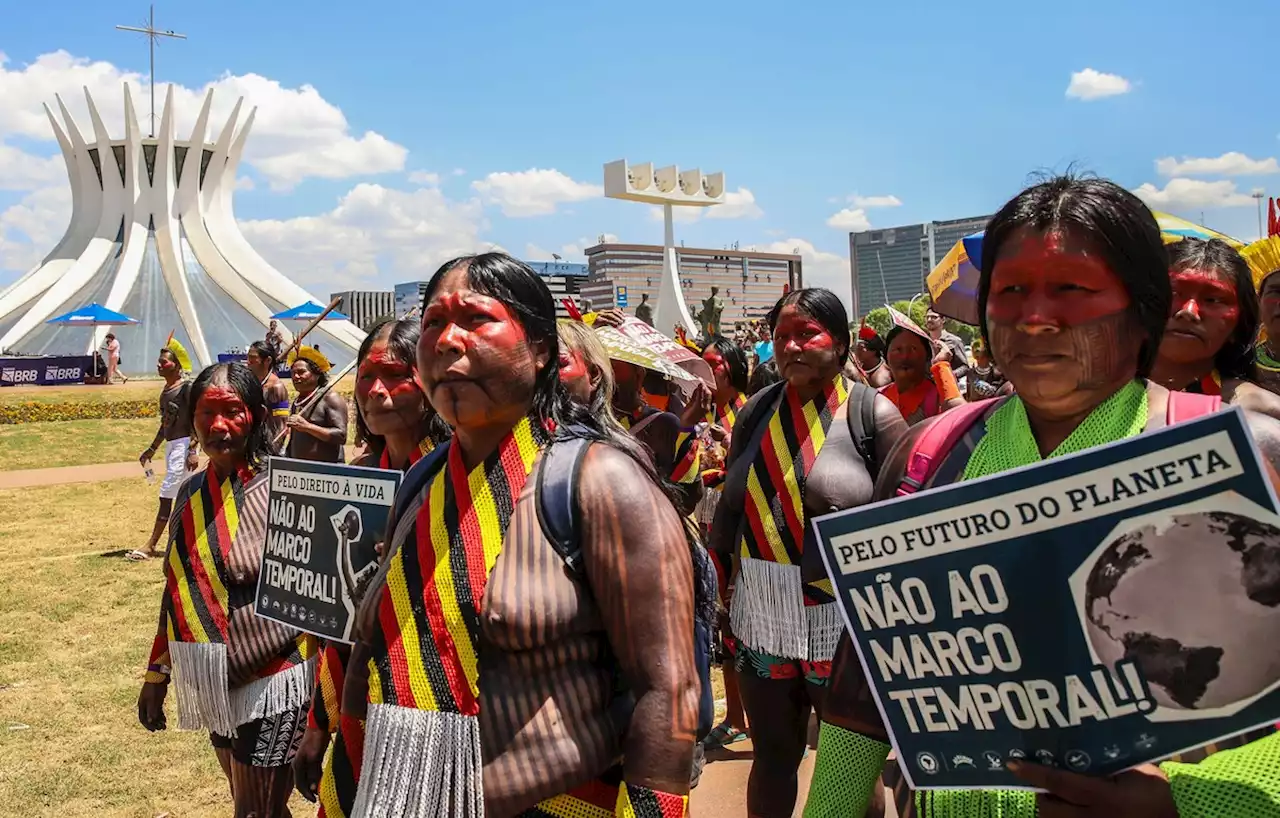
(608,470)
(890,428)
(1266,434)
(1252,398)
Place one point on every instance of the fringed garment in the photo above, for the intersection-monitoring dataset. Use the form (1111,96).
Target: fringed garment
(422,752)
(229,666)
(773,610)
(341,773)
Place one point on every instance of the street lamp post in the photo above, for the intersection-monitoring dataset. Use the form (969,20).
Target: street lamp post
(1260,194)
(669,187)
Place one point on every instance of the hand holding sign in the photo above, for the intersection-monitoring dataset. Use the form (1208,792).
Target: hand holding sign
(1142,792)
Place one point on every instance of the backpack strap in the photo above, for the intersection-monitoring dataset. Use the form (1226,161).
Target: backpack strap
(861,412)
(556,497)
(1187,405)
(937,441)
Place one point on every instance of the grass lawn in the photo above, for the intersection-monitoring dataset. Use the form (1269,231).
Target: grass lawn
(135,389)
(73,442)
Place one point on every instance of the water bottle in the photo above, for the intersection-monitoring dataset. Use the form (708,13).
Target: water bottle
(149,473)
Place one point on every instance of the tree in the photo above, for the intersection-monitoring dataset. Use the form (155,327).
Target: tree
(878,319)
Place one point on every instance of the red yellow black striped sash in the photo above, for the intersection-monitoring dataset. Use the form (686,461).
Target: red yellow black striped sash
(429,614)
(424,448)
(726,416)
(774,503)
(197,560)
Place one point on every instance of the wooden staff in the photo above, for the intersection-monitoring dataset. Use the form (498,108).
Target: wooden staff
(315,396)
(297,339)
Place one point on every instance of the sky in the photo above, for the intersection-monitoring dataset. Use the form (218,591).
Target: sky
(391,136)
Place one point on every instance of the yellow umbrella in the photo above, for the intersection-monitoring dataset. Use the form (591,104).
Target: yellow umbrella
(1174,229)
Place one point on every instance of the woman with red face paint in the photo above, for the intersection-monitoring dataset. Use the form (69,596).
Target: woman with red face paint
(318,430)
(394,416)
(924,385)
(1263,257)
(1208,345)
(503,679)
(245,679)
(1074,297)
(181,455)
(793,455)
(585,370)
(261,359)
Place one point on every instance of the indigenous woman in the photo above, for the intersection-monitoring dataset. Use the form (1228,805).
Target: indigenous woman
(317,428)
(1208,345)
(1263,257)
(792,456)
(984,377)
(500,683)
(261,359)
(728,363)
(923,384)
(400,426)
(181,451)
(1074,296)
(869,352)
(585,370)
(244,678)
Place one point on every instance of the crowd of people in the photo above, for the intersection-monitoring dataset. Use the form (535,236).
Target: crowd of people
(577,540)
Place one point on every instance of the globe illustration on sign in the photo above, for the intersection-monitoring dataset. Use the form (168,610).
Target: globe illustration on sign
(1193,599)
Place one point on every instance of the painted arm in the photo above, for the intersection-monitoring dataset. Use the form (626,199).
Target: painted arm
(332,425)
(641,575)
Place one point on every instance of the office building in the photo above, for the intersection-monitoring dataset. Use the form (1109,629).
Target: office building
(563,279)
(365,308)
(891,264)
(749,283)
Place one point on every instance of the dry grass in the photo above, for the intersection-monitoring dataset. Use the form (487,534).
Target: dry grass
(135,389)
(75,631)
(73,442)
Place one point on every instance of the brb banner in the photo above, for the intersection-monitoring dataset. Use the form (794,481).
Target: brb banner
(44,371)
(1092,612)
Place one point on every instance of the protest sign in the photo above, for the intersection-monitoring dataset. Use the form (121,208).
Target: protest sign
(323,521)
(1092,612)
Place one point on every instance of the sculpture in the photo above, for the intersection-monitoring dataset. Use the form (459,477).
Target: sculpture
(709,317)
(643,311)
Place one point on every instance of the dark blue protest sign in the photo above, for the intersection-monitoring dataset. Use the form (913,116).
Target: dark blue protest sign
(1092,612)
(323,521)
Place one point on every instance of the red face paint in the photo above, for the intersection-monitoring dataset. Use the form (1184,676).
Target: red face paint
(390,395)
(909,361)
(474,355)
(575,375)
(719,370)
(806,352)
(164,365)
(1052,280)
(222,424)
(1205,311)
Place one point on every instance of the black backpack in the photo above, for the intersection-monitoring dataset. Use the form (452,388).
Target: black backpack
(558,514)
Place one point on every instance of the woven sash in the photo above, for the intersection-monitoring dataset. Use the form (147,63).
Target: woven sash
(215,517)
(424,448)
(772,611)
(422,742)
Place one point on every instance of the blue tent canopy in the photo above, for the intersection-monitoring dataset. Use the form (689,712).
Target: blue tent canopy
(93,315)
(309,311)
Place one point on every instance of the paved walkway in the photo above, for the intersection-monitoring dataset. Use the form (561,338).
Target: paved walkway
(27,478)
(722,791)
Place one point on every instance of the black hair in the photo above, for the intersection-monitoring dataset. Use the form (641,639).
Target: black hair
(402,340)
(821,305)
(173,356)
(896,331)
(763,376)
(1115,223)
(735,358)
(523,291)
(264,351)
(245,384)
(1236,357)
(876,344)
(322,377)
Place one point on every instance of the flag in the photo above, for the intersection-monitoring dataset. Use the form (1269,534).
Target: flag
(1273,222)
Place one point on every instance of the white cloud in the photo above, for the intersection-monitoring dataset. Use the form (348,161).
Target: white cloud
(374,235)
(851,219)
(679,215)
(1232,163)
(32,227)
(738,204)
(244,183)
(1089,85)
(424,177)
(533,192)
(818,267)
(1193,193)
(20,170)
(297,134)
(874,201)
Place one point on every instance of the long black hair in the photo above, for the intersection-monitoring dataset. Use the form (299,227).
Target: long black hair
(523,291)
(244,383)
(823,306)
(1236,357)
(402,341)
(1115,223)
(735,358)
(266,352)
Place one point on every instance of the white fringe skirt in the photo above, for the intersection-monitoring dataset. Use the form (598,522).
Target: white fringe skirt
(204,702)
(420,764)
(768,613)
